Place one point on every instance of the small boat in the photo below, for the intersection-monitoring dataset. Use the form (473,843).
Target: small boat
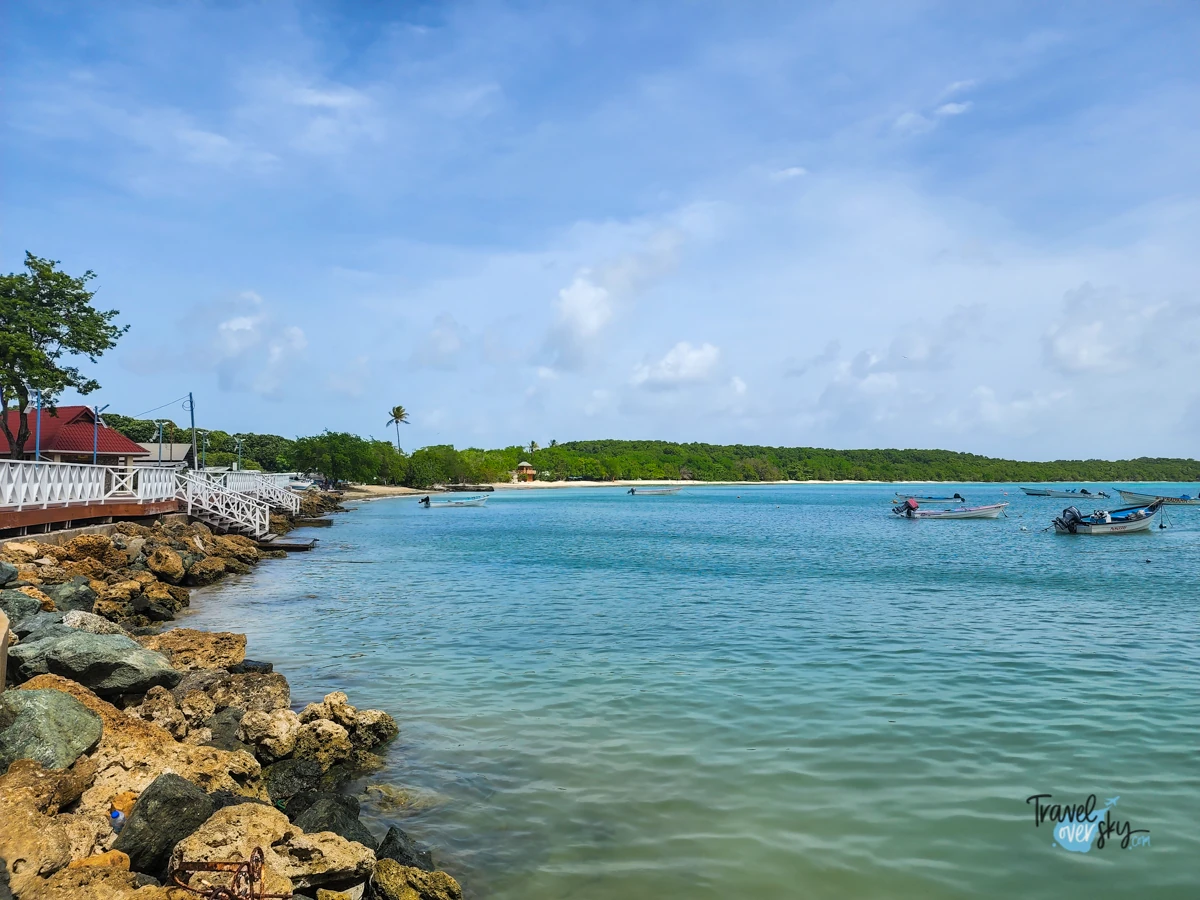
(957,498)
(1134,497)
(445,504)
(911,509)
(1125,520)
(654,492)
(1082,493)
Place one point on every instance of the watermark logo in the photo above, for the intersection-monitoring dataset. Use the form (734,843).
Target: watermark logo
(1077,827)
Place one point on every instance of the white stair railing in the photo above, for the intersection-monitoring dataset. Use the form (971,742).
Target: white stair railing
(208,496)
(43,484)
(263,488)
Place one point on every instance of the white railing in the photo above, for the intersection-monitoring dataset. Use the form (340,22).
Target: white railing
(205,494)
(263,488)
(44,484)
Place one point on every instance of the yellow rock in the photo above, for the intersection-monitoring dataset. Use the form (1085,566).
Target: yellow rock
(45,601)
(113,858)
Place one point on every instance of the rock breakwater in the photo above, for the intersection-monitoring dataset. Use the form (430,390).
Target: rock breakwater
(196,752)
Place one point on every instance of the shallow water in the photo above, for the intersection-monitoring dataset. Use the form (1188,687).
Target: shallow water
(767,692)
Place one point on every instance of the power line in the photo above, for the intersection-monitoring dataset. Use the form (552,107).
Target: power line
(157,408)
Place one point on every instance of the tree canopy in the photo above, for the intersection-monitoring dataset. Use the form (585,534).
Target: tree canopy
(46,318)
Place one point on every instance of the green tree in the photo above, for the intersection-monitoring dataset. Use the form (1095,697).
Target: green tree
(399,414)
(46,315)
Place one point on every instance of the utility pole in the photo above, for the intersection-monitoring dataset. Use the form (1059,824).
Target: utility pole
(95,430)
(238,442)
(192,409)
(160,423)
(203,450)
(37,440)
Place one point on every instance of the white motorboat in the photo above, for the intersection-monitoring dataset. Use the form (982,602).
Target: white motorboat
(910,509)
(447,504)
(654,492)
(957,498)
(1081,494)
(1126,520)
(1135,497)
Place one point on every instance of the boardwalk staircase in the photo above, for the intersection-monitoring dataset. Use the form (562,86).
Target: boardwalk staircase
(223,509)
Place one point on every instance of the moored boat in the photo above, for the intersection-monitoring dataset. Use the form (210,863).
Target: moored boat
(957,498)
(654,492)
(446,504)
(1080,494)
(1126,520)
(1135,497)
(911,509)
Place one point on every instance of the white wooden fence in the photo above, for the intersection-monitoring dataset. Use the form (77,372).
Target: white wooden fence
(265,489)
(39,485)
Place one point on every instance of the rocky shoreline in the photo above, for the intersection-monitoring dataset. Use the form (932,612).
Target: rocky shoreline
(130,751)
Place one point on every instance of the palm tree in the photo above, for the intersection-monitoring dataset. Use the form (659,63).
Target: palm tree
(533,447)
(399,414)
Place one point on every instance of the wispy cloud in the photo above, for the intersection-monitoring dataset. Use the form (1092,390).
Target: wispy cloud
(682,365)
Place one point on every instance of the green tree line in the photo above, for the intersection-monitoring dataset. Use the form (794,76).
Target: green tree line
(348,457)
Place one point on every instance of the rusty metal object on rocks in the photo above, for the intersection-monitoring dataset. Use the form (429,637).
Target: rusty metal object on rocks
(247,882)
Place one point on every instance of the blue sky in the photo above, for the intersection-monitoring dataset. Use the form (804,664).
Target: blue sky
(847,225)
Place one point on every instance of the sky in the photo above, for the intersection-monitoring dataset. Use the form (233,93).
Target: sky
(895,224)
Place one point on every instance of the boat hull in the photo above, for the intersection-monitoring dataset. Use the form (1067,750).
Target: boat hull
(991,511)
(1134,497)
(1107,527)
(451,504)
(902,497)
(655,492)
(1063,495)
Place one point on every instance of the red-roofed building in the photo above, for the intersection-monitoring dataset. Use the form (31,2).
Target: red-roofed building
(67,436)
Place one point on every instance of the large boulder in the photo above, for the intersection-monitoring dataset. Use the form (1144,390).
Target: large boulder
(397,845)
(108,664)
(189,649)
(272,734)
(74,594)
(396,882)
(160,707)
(224,728)
(95,546)
(235,546)
(166,564)
(293,860)
(90,622)
(48,726)
(251,691)
(98,883)
(166,812)
(132,753)
(323,741)
(337,813)
(205,571)
(367,728)
(289,777)
(8,573)
(33,842)
(18,607)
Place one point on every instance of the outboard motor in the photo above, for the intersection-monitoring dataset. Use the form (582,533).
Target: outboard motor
(1070,519)
(907,508)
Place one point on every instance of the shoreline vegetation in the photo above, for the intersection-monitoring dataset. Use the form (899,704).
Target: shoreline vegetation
(129,750)
(339,456)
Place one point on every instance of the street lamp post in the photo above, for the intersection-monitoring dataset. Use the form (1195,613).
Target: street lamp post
(160,423)
(238,442)
(203,450)
(37,440)
(95,430)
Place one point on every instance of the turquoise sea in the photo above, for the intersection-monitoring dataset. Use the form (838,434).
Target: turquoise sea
(756,691)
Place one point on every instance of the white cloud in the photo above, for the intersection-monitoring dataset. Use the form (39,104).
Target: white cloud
(442,346)
(953,109)
(912,123)
(683,364)
(739,386)
(957,87)
(789,173)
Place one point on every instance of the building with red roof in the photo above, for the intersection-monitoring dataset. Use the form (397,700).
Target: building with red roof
(68,434)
